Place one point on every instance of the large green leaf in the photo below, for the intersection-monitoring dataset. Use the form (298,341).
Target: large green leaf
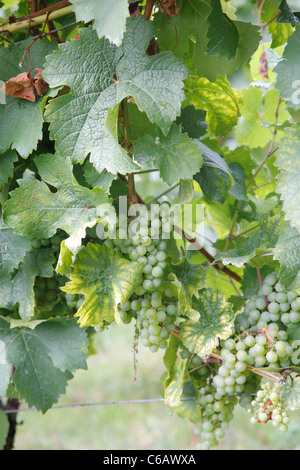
(288,69)
(175,155)
(222,33)
(21,121)
(44,358)
(288,162)
(35,211)
(215,322)
(287,252)
(12,249)
(109,22)
(17,289)
(100,76)
(186,34)
(106,279)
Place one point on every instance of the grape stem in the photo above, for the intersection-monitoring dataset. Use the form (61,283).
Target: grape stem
(261,283)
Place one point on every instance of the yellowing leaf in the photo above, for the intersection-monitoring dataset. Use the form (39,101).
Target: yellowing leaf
(106,279)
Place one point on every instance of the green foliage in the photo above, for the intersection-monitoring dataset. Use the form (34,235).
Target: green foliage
(141,121)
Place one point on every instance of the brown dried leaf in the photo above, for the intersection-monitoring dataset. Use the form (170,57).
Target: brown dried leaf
(24,86)
(169,7)
(263,65)
(21,86)
(40,85)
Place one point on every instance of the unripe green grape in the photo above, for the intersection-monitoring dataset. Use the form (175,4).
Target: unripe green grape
(273,307)
(270,279)
(254,315)
(240,366)
(249,340)
(50,296)
(271,356)
(294,317)
(148,285)
(242,355)
(265,289)
(172,309)
(296,304)
(260,303)
(157,271)
(229,344)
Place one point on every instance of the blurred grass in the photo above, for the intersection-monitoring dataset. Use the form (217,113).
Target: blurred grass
(136,426)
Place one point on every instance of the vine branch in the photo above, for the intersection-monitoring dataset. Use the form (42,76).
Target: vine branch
(32,21)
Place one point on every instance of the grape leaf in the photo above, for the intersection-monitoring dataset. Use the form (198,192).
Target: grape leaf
(186,191)
(247,247)
(21,121)
(259,112)
(12,249)
(4,372)
(35,211)
(217,98)
(192,121)
(106,279)
(108,21)
(43,358)
(186,34)
(287,71)
(175,155)
(7,160)
(189,278)
(17,289)
(291,392)
(215,322)
(173,390)
(189,407)
(85,120)
(280,29)
(287,251)
(288,162)
(222,33)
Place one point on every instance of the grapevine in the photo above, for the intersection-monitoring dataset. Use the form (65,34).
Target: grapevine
(149,172)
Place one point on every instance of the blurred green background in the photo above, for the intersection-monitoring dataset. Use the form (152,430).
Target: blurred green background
(135,426)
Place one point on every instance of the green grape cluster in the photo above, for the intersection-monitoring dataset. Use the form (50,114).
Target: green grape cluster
(260,340)
(153,304)
(217,413)
(268,406)
(266,321)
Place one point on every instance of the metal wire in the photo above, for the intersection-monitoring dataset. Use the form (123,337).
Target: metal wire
(49,32)
(78,405)
(117,402)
